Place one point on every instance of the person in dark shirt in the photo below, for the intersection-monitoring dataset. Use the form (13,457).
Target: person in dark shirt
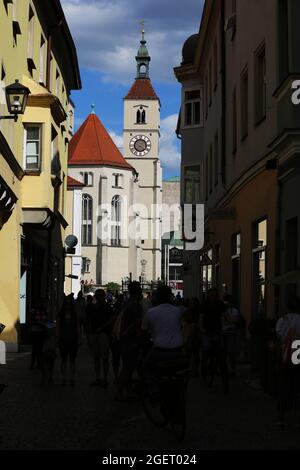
(68,338)
(130,338)
(212,310)
(100,317)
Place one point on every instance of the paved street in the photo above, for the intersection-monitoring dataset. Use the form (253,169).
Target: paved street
(87,418)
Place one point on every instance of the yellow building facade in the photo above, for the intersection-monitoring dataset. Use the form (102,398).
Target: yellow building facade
(37,49)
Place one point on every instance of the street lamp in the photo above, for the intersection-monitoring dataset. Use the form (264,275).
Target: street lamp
(16,99)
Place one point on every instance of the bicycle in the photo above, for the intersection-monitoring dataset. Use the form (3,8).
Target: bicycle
(168,405)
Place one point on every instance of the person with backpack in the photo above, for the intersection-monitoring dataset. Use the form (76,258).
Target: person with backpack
(128,332)
(288,330)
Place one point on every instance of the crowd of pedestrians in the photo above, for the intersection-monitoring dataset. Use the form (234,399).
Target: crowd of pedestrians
(128,334)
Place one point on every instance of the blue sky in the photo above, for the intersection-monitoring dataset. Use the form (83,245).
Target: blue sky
(106,33)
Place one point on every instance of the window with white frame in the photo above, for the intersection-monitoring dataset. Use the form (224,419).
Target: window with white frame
(192,108)
(87,219)
(33,147)
(116,221)
(43,54)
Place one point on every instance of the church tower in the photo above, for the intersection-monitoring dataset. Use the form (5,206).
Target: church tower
(141,150)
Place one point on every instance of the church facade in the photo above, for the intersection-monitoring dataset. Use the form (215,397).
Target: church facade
(122,194)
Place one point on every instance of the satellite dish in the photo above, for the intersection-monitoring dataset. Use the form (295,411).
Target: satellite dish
(71,241)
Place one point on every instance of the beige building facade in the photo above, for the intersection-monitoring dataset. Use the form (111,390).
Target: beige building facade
(235,114)
(37,49)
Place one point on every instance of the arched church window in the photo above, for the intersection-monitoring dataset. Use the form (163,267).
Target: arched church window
(87,219)
(138,117)
(143,117)
(116,221)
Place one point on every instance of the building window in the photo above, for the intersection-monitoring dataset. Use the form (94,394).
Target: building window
(33,147)
(87,219)
(57,83)
(117,180)
(15,17)
(207,270)
(192,184)
(192,108)
(210,169)
(217,267)
(116,221)
(30,41)
(261,85)
(244,104)
(86,265)
(259,266)
(43,52)
(55,156)
(87,178)
(234,122)
(216,159)
(210,82)
(141,116)
(236,267)
(215,64)
(50,73)
(206,96)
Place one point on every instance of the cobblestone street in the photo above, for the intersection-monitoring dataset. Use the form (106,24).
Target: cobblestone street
(86,418)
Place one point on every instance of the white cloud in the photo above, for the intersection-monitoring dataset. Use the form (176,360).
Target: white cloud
(118,139)
(169,144)
(106,33)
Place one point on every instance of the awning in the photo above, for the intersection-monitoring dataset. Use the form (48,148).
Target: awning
(290,277)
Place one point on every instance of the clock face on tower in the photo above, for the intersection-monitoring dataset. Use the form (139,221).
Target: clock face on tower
(140,145)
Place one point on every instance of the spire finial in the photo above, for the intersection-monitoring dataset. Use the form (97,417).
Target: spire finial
(142,56)
(93,108)
(142,23)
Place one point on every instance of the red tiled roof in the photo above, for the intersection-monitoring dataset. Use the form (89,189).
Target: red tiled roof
(72,183)
(92,145)
(142,89)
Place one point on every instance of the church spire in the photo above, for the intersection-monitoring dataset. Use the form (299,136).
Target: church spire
(142,57)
